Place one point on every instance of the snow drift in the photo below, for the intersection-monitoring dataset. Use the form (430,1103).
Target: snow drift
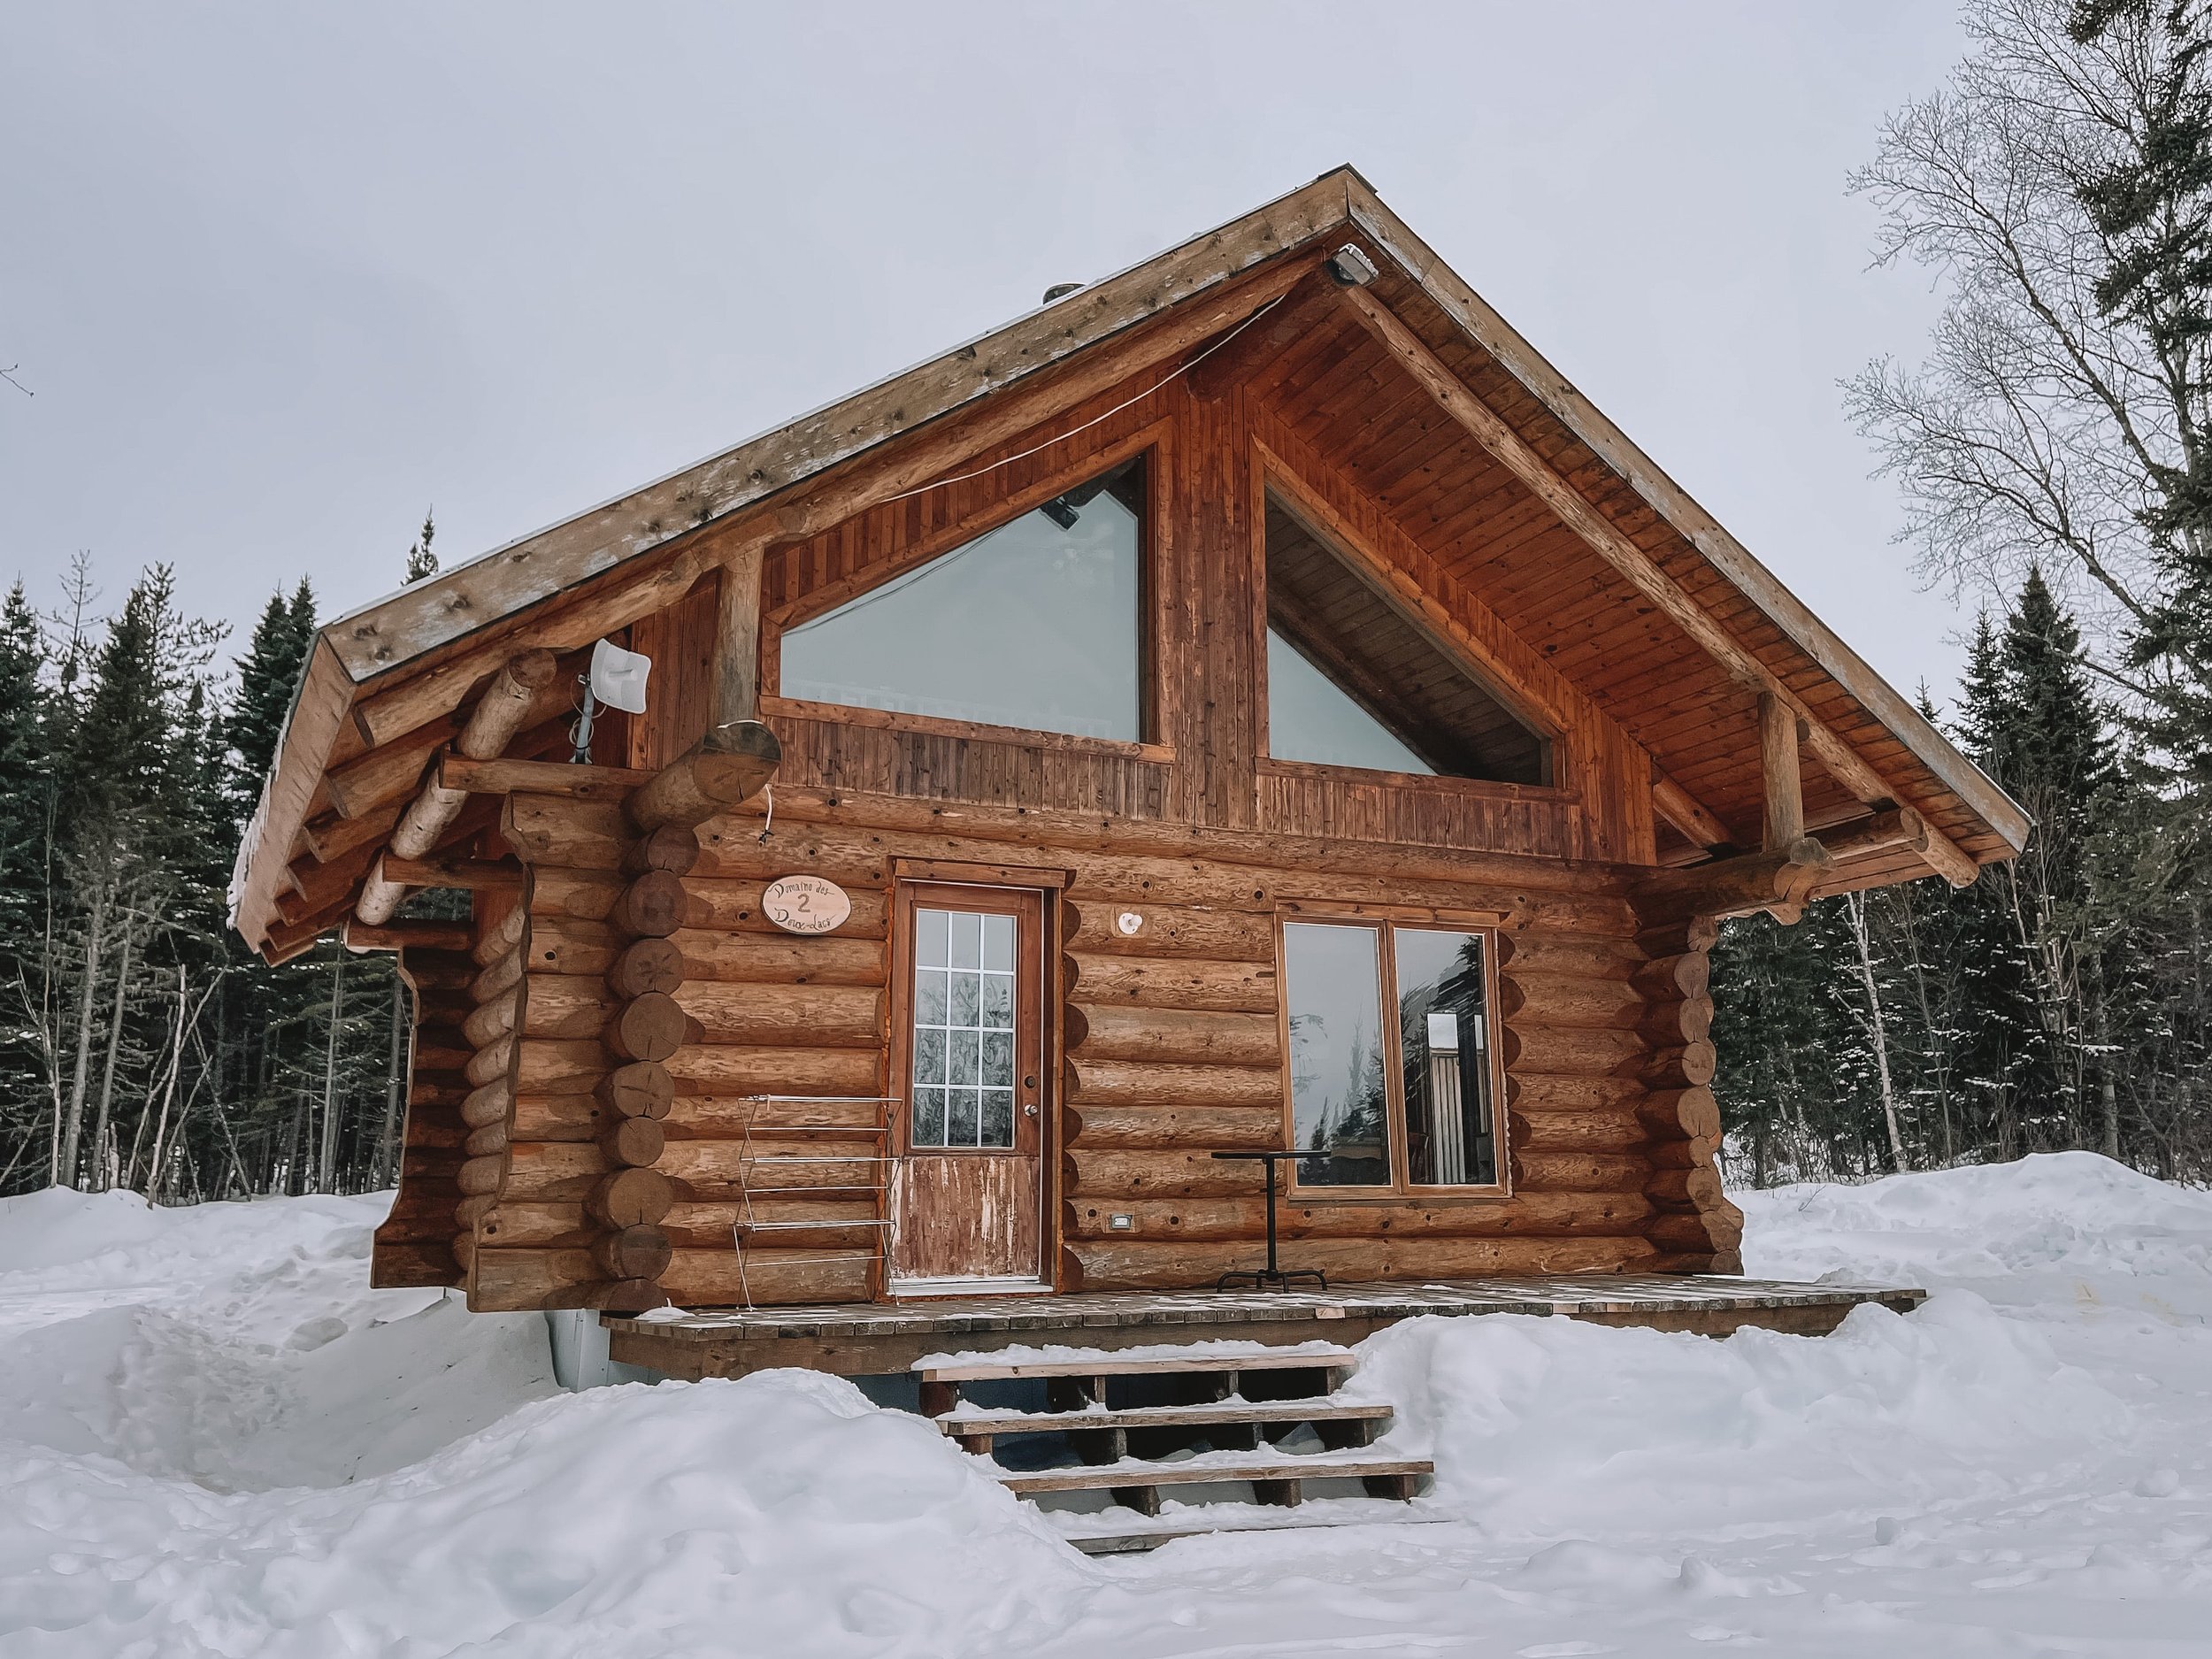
(215,1439)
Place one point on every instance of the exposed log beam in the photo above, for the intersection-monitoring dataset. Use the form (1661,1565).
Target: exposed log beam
(1781,784)
(499,714)
(737,637)
(1776,881)
(1885,832)
(359,935)
(476,874)
(538,777)
(727,767)
(1515,453)
(1683,809)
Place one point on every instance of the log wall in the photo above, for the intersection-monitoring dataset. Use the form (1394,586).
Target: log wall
(1169,1047)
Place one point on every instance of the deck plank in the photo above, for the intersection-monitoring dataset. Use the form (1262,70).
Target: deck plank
(858,1339)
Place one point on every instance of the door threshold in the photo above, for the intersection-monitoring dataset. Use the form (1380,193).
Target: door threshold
(907,1289)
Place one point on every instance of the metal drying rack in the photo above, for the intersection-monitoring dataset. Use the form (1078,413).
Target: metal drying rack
(879,1163)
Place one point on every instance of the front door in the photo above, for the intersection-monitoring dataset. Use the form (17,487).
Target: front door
(968,1072)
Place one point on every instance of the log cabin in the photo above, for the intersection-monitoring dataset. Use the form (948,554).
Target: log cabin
(1251,703)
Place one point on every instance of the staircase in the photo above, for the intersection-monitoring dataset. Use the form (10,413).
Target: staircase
(1119,1431)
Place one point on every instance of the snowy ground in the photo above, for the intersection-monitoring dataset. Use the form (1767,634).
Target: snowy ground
(214,1440)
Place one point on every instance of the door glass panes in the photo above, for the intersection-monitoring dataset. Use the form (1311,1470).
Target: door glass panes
(963,1029)
(1309,719)
(1444,1050)
(1036,625)
(1339,1109)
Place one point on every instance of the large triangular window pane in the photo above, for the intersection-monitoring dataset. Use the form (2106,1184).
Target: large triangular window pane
(1037,624)
(1352,681)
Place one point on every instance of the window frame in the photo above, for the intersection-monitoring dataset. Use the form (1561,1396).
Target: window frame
(1150,446)
(1384,924)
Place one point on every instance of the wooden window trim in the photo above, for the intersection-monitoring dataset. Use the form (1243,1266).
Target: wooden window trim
(1021,900)
(976,731)
(963,874)
(1433,783)
(1155,444)
(1401,1189)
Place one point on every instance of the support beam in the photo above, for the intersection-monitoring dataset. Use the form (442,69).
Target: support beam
(1514,452)
(1777,881)
(558,778)
(737,637)
(1683,809)
(1885,832)
(498,715)
(729,766)
(476,874)
(359,935)
(1781,784)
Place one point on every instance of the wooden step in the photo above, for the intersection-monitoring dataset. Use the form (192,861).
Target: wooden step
(1134,1543)
(986,1369)
(1103,1437)
(1319,1410)
(1136,1486)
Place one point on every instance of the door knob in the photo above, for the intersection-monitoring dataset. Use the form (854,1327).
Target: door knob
(1030,1110)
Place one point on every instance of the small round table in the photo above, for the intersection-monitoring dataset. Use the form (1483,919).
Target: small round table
(1271,1276)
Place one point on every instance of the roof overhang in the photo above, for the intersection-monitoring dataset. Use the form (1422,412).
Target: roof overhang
(425,631)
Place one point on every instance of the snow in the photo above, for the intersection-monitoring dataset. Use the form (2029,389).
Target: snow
(215,1439)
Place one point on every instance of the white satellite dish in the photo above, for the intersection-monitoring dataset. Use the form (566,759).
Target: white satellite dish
(618,676)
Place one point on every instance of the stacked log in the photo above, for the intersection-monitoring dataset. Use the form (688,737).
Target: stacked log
(569,1201)
(1694,1227)
(772,1013)
(415,1242)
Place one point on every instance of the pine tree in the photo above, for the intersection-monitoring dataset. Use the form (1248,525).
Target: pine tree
(2150,201)
(268,677)
(421,561)
(26,805)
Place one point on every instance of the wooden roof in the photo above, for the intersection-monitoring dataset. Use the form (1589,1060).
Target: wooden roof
(1644,630)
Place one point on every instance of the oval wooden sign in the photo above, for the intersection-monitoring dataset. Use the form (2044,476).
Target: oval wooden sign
(806,904)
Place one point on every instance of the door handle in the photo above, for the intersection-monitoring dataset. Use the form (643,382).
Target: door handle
(1030,1110)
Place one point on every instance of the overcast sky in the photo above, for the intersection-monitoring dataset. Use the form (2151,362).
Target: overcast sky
(282,276)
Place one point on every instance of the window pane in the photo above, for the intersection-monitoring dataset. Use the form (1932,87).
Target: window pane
(930,996)
(998,943)
(998,1059)
(929,1117)
(998,1117)
(960,1117)
(1333,984)
(967,940)
(998,1000)
(929,1055)
(966,998)
(1445,1047)
(1035,624)
(1308,719)
(929,938)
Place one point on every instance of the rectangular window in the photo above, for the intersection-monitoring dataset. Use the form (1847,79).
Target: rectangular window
(1390,1102)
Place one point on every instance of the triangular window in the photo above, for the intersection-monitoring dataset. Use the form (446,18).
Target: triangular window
(1352,681)
(1036,625)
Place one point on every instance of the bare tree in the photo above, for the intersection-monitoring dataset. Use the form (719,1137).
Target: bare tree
(2060,418)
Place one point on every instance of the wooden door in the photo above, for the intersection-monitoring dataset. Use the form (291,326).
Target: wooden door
(968,1072)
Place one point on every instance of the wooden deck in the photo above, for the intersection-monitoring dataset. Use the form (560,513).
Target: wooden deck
(878,1338)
